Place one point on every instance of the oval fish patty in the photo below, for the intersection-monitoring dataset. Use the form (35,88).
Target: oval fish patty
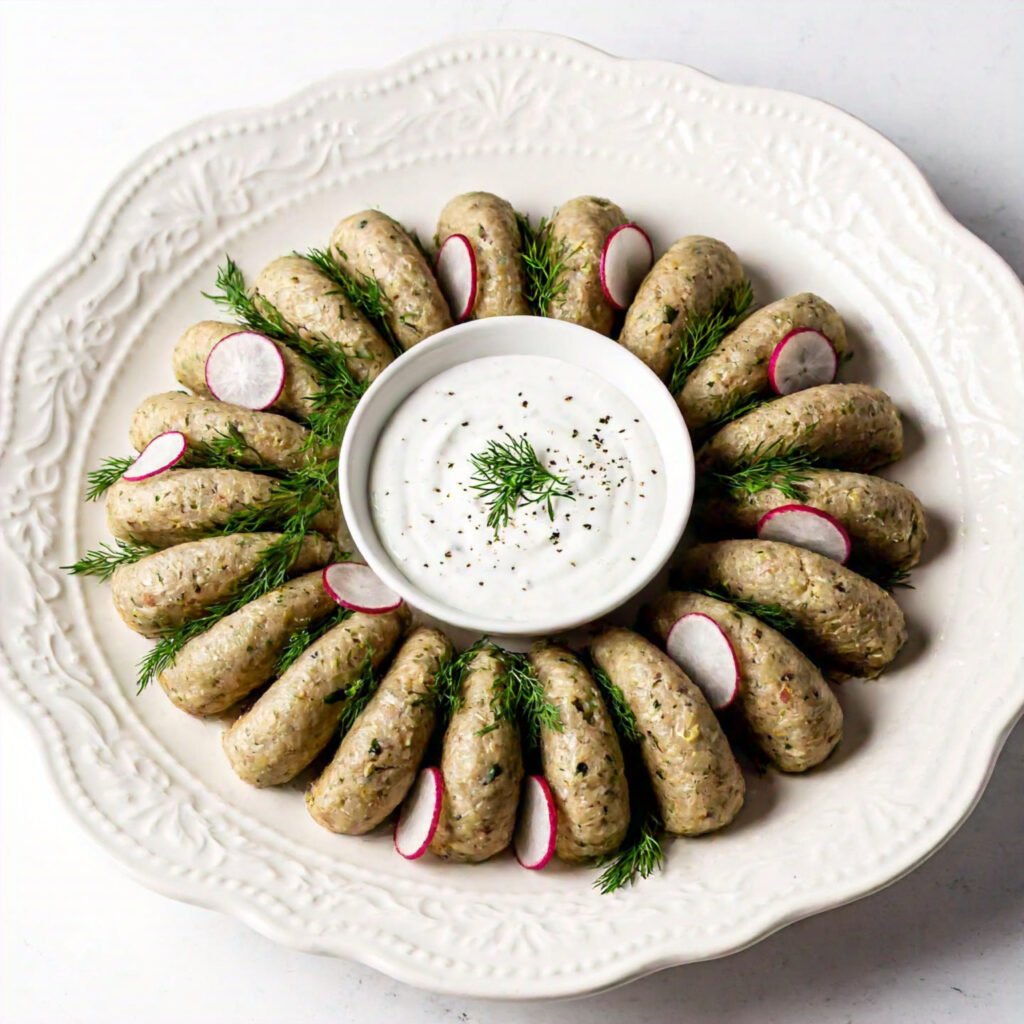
(738,368)
(312,302)
(171,587)
(482,766)
(786,704)
(847,621)
(847,426)
(293,720)
(578,230)
(267,437)
(187,504)
(885,520)
(695,777)
(376,245)
(693,278)
(378,758)
(240,652)
(195,345)
(583,762)
(490,224)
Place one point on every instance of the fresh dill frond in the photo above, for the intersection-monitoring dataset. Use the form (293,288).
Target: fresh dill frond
(640,855)
(228,449)
(738,410)
(271,572)
(338,390)
(890,579)
(545,260)
(773,615)
(102,561)
(519,696)
(250,312)
(162,655)
(362,290)
(446,690)
(295,500)
(302,639)
(104,477)
(642,851)
(507,474)
(701,335)
(618,707)
(767,466)
(356,694)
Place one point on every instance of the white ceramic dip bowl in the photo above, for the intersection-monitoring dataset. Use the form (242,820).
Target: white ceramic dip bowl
(597,360)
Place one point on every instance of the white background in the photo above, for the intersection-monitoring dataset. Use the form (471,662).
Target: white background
(84,87)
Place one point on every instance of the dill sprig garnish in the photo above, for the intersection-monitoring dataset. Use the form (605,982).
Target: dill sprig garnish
(642,850)
(890,579)
(738,410)
(517,695)
(767,466)
(105,476)
(271,572)
(295,500)
(338,389)
(302,639)
(773,615)
(446,690)
(702,335)
(621,712)
(641,854)
(544,260)
(356,694)
(362,290)
(102,561)
(507,474)
(228,449)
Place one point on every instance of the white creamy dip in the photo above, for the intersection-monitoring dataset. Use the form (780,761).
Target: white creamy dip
(434,524)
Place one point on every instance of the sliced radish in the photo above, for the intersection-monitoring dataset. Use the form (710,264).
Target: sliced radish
(537,828)
(699,646)
(164,451)
(803,359)
(245,369)
(356,586)
(456,273)
(625,259)
(806,527)
(420,813)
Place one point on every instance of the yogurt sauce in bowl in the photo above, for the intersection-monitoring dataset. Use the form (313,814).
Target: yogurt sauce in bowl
(432,520)
(596,418)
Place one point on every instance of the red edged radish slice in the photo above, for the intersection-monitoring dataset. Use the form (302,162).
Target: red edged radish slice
(806,527)
(456,274)
(356,586)
(534,841)
(420,813)
(625,259)
(699,646)
(164,451)
(803,359)
(245,369)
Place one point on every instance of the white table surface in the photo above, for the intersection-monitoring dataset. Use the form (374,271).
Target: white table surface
(84,87)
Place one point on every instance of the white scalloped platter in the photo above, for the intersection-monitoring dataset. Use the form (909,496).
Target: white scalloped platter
(811,200)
